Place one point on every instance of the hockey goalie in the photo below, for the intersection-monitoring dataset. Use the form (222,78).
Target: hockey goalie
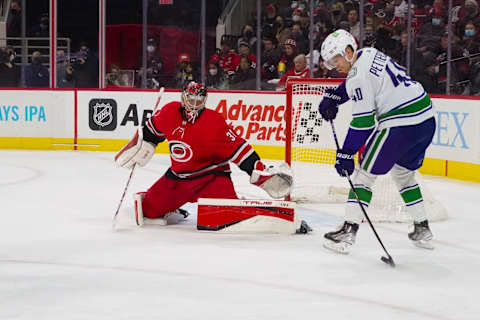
(201,148)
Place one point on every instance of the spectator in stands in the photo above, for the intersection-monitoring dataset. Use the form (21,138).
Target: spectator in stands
(269,26)
(9,72)
(41,30)
(283,32)
(244,51)
(286,61)
(429,78)
(337,14)
(65,72)
(245,76)
(354,23)
(299,70)
(248,36)
(14,21)
(431,32)
(154,66)
(185,71)
(301,39)
(216,78)
(36,74)
(270,59)
(227,58)
(470,40)
(468,13)
(114,77)
(384,41)
(85,64)
(459,67)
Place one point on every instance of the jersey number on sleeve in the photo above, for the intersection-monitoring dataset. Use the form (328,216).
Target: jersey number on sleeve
(357,95)
(398,75)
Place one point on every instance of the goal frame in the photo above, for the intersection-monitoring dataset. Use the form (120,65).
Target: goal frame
(288,108)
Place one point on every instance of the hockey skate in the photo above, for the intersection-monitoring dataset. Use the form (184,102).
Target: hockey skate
(342,239)
(169,218)
(421,235)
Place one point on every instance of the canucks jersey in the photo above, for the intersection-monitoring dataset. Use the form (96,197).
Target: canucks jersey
(382,96)
(380,90)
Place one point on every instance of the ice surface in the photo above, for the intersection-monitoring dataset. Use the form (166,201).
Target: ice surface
(60,259)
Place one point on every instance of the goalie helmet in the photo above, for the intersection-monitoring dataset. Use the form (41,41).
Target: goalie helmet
(194,96)
(336,44)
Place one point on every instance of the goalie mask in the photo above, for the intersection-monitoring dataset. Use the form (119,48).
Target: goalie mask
(194,96)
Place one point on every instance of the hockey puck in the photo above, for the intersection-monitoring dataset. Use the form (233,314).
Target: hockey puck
(388,261)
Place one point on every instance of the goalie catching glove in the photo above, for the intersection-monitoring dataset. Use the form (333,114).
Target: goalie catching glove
(136,151)
(276,181)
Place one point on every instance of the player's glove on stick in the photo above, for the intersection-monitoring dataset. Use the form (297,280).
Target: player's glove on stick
(344,162)
(275,180)
(328,108)
(136,151)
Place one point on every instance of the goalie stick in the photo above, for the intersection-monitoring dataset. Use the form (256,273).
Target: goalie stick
(114,221)
(388,259)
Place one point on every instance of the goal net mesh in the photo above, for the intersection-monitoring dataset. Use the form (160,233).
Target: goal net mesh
(311,149)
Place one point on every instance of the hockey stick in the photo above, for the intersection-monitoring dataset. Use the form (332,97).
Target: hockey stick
(388,260)
(114,221)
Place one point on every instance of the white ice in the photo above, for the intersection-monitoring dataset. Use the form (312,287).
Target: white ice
(60,258)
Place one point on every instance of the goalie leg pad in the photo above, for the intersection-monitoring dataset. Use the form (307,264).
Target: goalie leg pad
(247,216)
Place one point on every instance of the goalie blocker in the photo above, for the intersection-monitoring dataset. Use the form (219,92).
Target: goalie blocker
(249,216)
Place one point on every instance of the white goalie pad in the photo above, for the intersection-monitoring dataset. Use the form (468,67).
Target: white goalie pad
(277,181)
(173,217)
(248,216)
(135,151)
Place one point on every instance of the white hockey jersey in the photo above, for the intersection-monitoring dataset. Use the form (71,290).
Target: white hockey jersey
(380,90)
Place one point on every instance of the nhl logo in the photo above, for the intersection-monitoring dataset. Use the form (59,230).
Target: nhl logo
(103,114)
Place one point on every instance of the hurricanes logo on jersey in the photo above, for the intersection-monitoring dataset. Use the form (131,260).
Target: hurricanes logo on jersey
(180,151)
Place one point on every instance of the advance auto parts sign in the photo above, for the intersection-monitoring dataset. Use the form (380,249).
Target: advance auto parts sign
(258,118)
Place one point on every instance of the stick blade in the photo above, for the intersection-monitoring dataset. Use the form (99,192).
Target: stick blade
(388,261)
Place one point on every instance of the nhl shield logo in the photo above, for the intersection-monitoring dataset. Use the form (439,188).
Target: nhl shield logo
(103,114)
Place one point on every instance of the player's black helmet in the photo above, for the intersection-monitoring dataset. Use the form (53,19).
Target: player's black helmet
(194,96)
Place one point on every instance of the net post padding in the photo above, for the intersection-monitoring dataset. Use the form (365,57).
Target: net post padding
(310,150)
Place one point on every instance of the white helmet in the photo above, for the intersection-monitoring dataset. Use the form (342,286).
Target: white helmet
(335,44)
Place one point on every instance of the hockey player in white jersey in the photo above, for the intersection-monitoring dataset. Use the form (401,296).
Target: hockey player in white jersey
(393,115)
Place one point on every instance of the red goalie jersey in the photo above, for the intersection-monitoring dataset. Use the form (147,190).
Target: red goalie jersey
(197,149)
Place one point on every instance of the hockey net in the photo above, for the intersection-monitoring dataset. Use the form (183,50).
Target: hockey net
(310,150)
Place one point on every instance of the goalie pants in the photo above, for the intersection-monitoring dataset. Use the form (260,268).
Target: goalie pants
(167,194)
(400,151)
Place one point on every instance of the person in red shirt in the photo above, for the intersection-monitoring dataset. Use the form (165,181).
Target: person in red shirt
(202,146)
(299,70)
(227,58)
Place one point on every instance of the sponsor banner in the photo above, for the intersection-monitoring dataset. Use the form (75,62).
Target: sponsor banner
(457,136)
(257,117)
(36,113)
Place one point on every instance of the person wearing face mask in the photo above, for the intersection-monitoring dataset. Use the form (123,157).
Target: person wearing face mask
(337,14)
(36,74)
(301,38)
(269,27)
(216,78)
(430,33)
(154,66)
(9,72)
(468,13)
(86,66)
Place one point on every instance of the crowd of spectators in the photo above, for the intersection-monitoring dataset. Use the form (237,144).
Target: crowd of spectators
(285,48)
(286,36)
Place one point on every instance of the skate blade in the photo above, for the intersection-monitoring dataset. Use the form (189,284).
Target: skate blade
(424,244)
(338,247)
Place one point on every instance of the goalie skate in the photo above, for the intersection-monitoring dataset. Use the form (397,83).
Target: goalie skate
(342,239)
(169,218)
(421,235)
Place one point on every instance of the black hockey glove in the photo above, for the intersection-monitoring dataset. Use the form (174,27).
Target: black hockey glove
(328,108)
(344,162)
